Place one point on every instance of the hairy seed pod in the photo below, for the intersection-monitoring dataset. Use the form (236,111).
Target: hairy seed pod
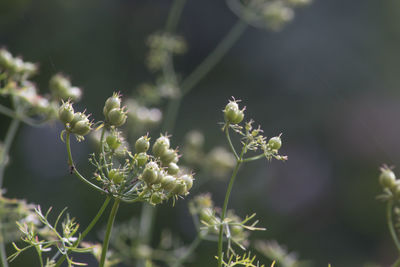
(232,113)
(113,141)
(180,188)
(111,103)
(160,145)
(81,127)
(168,182)
(78,116)
(116,117)
(116,176)
(188,179)
(275,143)
(142,144)
(168,156)
(173,168)
(141,159)
(150,173)
(387,178)
(66,112)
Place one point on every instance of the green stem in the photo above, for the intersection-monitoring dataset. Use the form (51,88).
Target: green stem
(39,253)
(3,257)
(397,263)
(254,158)
(214,57)
(224,209)
(12,114)
(174,15)
(110,224)
(391,226)
(171,114)
(88,229)
(12,130)
(195,243)
(74,170)
(228,137)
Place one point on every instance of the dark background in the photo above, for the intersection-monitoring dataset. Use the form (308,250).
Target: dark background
(329,82)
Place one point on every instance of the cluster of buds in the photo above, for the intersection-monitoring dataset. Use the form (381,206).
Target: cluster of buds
(15,66)
(14,81)
(152,177)
(114,114)
(388,181)
(232,113)
(75,122)
(251,137)
(61,88)
(162,45)
(273,15)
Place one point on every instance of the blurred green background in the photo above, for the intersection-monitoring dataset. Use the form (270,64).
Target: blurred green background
(329,81)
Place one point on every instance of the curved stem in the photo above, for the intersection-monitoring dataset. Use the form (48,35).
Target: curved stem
(230,142)
(74,170)
(12,131)
(214,57)
(174,15)
(110,224)
(88,229)
(254,158)
(224,209)
(195,243)
(391,226)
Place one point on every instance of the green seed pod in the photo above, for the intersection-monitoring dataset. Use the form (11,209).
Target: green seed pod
(156,198)
(275,142)
(232,113)
(150,173)
(180,188)
(142,144)
(168,182)
(116,176)
(141,159)
(116,117)
(168,156)
(111,103)
(207,215)
(78,116)
(173,168)
(66,112)
(236,230)
(188,179)
(387,179)
(160,145)
(81,127)
(113,141)
(6,59)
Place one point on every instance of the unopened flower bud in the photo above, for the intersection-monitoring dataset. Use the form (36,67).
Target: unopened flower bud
(160,146)
(150,173)
(66,112)
(275,142)
(232,113)
(387,179)
(142,144)
(111,103)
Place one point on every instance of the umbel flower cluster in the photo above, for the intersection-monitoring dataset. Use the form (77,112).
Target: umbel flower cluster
(15,82)
(144,175)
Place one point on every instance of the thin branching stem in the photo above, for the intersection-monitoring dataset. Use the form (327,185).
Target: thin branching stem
(254,158)
(3,259)
(107,236)
(74,169)
(12,114)
(214,57)
(88,229)
(174,15)
(228,137)
(12,131)
(391,226)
